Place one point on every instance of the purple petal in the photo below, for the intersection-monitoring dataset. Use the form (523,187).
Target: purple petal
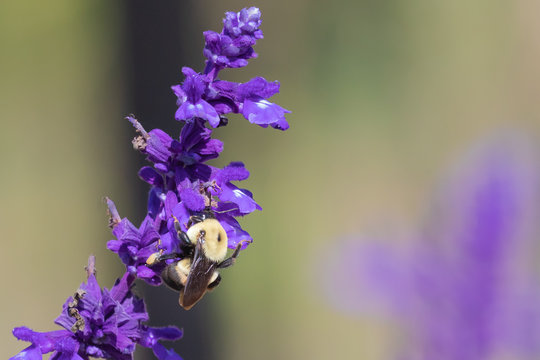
(256,88)
(241,197)
(180,94)
(114,245)
(151,336)
(113,213)
(189,72)
(171,201)
(225,88)
(234,171)
(45,342)
(30,353)
(92,288)
(126,231)
(193,86)
(162,353)
(67,348)
(192,199)
(211,149)
(121,287)
(137,126)
(154,334)
(151,176)
(190,195)
(154,201)
(157,146)
(148,234)
(202,172)
(150,276)
(192,133)
(235,233)
(195,143)
(200,109)
(182,214)
(280,124)
(169,242)
(263,112)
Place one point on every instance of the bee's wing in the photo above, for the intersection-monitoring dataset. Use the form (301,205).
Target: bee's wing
(199,276)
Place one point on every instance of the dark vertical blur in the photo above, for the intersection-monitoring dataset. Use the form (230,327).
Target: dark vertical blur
(160,39)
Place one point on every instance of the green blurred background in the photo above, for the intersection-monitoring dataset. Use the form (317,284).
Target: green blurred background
(384,94)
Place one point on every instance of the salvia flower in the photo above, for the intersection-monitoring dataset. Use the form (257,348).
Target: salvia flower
(99,323)
(134,245)
(190,99)
(468,290)
(250,100)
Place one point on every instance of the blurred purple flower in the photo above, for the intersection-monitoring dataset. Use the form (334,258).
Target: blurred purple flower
(468,289)
(99,324)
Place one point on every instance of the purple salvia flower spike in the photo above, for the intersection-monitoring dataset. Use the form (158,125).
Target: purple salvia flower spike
(102,323)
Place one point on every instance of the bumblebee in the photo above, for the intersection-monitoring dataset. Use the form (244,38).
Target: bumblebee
(204,251)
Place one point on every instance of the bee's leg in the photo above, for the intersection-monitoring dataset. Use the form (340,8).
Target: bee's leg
(181,234)
(185,244)
(230,261)
(194,219)
(172,278)
(158,257)
(184,238)
(169,256)
(214,283)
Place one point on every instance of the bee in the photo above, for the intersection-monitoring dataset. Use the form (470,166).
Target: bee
(204,251)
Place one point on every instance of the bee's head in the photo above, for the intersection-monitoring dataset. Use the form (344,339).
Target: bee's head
(213,238)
